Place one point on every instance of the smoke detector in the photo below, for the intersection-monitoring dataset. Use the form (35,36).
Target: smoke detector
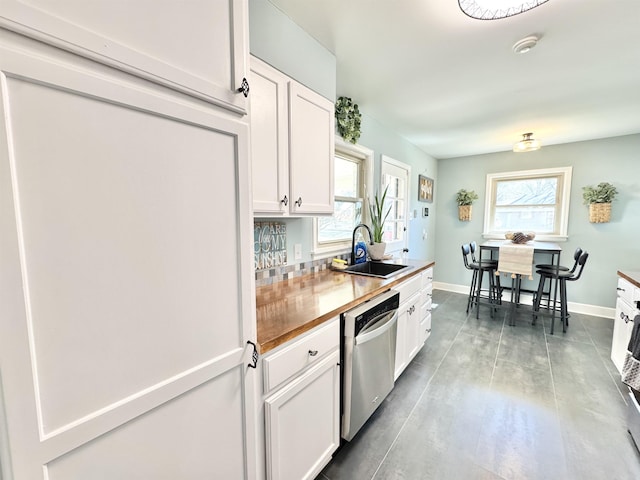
(526,44)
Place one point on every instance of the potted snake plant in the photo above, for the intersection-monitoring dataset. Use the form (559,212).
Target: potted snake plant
(378,217)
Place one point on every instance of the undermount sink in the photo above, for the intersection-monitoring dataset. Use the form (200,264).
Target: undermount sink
(376,269)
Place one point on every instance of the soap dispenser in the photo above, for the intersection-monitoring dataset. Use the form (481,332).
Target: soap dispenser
(360,249)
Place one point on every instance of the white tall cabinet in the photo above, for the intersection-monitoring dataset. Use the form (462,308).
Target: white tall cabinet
(124,214)
(292,145)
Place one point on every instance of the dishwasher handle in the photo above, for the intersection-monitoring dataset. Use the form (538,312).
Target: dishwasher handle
(381,327)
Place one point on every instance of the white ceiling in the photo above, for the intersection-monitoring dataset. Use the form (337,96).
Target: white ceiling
(452,86)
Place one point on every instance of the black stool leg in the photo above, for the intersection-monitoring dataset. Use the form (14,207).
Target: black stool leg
(478,290)
(472,290)
(563,304)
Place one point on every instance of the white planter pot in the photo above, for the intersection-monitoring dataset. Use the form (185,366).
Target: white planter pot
(376,251)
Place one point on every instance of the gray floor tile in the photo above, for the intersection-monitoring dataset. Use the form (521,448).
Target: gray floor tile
(484,400)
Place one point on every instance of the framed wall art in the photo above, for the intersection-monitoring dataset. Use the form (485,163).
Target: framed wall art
(425,189)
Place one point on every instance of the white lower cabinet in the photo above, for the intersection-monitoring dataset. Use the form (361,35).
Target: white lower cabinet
(302,415)
(426,293)
(409,339)
(414,318)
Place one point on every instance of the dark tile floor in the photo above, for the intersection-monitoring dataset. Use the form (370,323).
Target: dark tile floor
(486,401)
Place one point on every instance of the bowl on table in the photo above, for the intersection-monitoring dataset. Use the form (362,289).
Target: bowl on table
(520,237)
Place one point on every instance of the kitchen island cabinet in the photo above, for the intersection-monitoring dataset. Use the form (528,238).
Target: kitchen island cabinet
(292,145)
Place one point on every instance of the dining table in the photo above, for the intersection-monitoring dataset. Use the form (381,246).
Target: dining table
(492,247)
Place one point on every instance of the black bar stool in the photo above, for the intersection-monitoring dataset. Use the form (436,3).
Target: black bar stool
(552,267)
(479,269)
(562,276)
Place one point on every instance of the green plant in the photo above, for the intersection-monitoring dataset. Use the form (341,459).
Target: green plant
(466,197)
(378,217)
(604,192)
(348,119)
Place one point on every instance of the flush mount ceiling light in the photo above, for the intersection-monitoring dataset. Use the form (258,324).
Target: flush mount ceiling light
(526,44)
(496,9)
(527,144)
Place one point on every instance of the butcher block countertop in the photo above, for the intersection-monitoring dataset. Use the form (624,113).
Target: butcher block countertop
(289,308)
(633,277)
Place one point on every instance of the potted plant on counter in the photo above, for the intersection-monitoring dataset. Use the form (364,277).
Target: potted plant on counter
(378,217)
(599,199)
(465,199)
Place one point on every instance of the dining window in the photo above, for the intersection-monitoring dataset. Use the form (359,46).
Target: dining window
(528,201)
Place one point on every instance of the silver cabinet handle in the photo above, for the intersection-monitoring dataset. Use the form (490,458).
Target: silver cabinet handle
(621,289)
(285,200)
(298,202)
(313,353)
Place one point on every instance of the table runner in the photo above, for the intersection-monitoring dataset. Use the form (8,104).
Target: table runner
(515,259)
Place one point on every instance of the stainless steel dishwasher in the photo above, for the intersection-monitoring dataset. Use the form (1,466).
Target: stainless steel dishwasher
(369,352)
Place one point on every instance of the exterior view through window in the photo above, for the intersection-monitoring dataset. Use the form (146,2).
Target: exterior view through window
(534,200)
(348,202)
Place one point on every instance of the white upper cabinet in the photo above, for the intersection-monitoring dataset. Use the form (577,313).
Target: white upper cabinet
(269,122)
(292,145)
(198,47)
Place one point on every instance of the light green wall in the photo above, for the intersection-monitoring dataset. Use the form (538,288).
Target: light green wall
(275,39)
(383,141)
(612,246)
(278,41)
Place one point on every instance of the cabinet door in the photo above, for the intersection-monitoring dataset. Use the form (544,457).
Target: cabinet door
(409,338)
(302,423)
(414,336)
(311,151)
(401,343)
(621,332)
(122,347)
(269,139)
(199,49)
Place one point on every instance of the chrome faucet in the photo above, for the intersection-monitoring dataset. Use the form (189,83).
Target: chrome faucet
(353,241)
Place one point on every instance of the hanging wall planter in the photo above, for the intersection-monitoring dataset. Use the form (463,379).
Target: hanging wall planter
(348,119)
(465,199)
(599,199)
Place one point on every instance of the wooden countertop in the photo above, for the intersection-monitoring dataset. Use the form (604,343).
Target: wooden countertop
(633,277)
(289,308)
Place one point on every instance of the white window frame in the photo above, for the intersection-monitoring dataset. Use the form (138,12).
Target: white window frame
(564,173)
(366,155)
(397,245)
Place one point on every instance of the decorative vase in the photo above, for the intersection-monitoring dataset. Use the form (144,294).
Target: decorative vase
(376,251)
(599,212)
(464,213)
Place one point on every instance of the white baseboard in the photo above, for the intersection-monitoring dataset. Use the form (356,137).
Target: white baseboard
(595,310)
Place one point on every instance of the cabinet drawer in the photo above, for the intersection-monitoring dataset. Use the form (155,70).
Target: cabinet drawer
(427,278)
(426,298)
(299,354)
(625,290)
(425,323)
(408,288)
